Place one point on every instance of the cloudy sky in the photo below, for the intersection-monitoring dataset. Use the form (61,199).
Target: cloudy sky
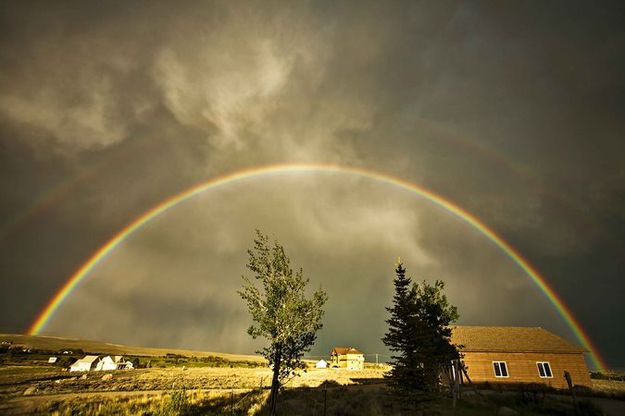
(514,112)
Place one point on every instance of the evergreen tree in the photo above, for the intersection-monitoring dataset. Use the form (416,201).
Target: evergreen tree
(406,376)
(419,336)
(433,334)
(280,310)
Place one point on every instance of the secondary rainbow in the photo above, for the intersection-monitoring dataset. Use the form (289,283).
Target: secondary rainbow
(46,314)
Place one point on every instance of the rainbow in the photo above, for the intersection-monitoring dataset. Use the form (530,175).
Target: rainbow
(281,169)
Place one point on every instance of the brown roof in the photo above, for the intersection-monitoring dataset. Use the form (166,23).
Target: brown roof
(511,339)
(345,350)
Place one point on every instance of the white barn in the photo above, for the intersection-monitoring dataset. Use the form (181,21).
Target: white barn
(106,364)
(115,362)
(87,363)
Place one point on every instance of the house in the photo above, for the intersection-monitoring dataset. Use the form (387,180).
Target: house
(87,363)
(498,354)
(111,363)
(321,364)
(347,357)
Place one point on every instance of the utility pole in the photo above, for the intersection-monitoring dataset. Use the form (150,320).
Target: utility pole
(376,360)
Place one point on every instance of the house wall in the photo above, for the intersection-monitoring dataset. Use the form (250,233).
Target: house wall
(349,361)
(80,367)
(355,361)
(522,368)
(106,364)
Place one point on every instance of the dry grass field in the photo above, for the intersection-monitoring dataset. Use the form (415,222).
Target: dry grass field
(168,391)
(194,382)
(46,343)
(610,387)
(15,380)
(36,389)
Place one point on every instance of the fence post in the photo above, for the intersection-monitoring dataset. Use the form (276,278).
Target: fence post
(569,381)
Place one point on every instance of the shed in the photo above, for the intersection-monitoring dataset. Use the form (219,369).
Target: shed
(87,363)
(347,357)
(501,354)
(321,364)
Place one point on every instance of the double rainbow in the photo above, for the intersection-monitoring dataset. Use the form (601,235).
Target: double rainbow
(46,314)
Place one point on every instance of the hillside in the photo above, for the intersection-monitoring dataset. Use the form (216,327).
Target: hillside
(49,343)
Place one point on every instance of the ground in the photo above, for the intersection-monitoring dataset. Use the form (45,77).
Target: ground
(216,390)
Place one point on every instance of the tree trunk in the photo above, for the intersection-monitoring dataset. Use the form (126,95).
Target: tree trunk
(275,384)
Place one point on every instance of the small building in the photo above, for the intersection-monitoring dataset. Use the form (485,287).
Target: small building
(347,357)
(87,363)
(114,362)
(321,364)
(125,365)
(52,360)
(498,354)
(106,364)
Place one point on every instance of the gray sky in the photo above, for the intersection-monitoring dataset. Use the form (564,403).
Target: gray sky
(514,112)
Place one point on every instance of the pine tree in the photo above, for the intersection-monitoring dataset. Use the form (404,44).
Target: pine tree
(406,376)
(433,334)
(419,335)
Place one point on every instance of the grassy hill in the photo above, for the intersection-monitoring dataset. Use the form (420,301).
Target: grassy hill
(47,343)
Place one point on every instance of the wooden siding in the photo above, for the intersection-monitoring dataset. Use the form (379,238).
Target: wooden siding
(349,361)
(522,368)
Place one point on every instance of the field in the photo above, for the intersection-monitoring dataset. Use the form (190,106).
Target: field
(45,343)
(192,382)
(44,387)
(215,390)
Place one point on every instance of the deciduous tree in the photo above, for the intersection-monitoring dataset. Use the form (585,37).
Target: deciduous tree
(280,310)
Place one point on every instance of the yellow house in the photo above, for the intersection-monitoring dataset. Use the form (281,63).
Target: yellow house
(347,357)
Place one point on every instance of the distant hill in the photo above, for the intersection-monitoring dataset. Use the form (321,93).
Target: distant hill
(47,343)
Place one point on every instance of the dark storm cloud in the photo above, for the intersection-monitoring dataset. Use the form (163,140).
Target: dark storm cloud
(513,111)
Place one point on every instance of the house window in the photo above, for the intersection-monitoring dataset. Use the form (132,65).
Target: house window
(544,370)
(501,369)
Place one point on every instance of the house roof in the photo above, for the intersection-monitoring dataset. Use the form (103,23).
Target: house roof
(510,339)
(88,359)
(345,350)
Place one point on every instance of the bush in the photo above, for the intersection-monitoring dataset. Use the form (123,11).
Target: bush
(602,376)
